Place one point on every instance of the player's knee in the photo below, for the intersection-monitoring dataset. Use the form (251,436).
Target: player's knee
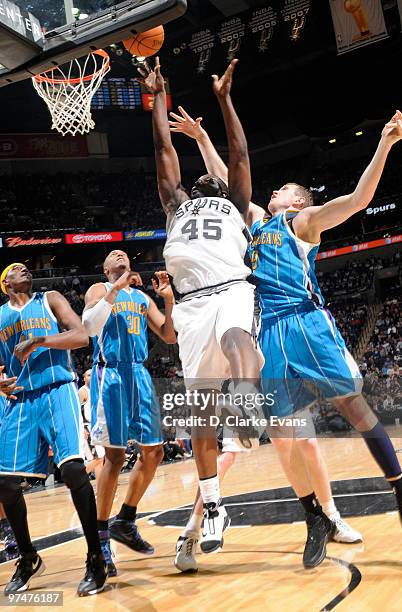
(234,339)
(153,455)
(356,410)
(281,444)
(309,446)
(10,490)
(73,474)
(114,457)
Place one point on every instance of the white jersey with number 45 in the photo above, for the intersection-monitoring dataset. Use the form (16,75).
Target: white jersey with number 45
(206,244)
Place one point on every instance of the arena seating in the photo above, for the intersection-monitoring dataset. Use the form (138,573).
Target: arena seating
(129,200)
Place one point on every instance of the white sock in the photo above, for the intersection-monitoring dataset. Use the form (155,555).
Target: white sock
(193,526)
(329,508)
(209,489)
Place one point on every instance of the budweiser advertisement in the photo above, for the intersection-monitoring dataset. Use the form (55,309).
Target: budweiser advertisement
(22,241)
(40,146)
(94,237)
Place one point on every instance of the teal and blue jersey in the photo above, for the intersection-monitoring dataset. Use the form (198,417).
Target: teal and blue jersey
(298,337)
(124,337)
(283,268)
(123,401)
(44,366)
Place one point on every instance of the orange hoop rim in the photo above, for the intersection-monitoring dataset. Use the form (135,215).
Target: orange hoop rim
(42,78)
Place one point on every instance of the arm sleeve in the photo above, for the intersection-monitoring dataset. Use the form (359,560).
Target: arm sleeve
(95,318)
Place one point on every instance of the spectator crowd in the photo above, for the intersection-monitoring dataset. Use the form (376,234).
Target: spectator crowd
(129,200)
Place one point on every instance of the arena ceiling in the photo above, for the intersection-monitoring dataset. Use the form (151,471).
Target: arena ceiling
(289,90)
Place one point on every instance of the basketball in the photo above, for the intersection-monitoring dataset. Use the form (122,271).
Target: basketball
(147,43)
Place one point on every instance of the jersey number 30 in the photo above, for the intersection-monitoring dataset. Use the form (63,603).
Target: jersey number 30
(211,229)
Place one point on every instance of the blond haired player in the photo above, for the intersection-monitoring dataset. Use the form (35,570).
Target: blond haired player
(299,338)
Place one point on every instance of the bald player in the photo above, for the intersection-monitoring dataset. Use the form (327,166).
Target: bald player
(124,404)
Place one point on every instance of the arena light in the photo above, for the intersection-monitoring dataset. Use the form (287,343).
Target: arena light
(332,141)
(359,133)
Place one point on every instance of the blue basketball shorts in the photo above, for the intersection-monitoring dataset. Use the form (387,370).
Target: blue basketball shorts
(49,416)
(124,406)
(304,353)
(3,403)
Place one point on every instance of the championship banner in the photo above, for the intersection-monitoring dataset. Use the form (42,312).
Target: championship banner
(42,146)
(357,23)
(262,23)
(231,34)
(295,13)
(201,45)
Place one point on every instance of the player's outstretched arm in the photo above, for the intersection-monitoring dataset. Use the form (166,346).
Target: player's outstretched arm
(74,337)
(171,192)
(192,128)
(239,175)
(214,164)
(99,302)
(312,221)
(162,324)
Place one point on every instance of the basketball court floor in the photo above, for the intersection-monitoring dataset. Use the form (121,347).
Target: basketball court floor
(260,566)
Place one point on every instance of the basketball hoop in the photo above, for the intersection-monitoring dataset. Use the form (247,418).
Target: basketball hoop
(68,93)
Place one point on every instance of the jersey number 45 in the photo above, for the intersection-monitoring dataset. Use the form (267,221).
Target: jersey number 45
(211,229)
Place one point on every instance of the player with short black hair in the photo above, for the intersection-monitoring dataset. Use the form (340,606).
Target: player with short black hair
(123,400)
(205,250)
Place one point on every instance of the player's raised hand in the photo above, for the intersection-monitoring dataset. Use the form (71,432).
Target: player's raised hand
(126,279)
(185,124)
(222,86)
(162,286)
(392,131)
(152,79)
(8,386)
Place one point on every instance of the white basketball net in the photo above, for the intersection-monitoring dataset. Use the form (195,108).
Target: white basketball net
(68,93)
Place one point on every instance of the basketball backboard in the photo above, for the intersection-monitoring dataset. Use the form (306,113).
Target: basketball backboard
(53,14)
(36,35)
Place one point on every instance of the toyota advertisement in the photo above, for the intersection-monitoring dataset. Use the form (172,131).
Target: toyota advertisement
(94,237)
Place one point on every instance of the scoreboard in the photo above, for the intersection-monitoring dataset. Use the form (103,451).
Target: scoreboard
(124,94)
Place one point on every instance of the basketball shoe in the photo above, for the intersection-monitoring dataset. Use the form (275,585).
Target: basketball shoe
(186,547)
(320,531)
(344,533)
(216,521)
(104,538)
(126,532)
(29,565)
(95,575)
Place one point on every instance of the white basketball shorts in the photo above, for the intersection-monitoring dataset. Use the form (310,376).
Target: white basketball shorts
(200,324)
